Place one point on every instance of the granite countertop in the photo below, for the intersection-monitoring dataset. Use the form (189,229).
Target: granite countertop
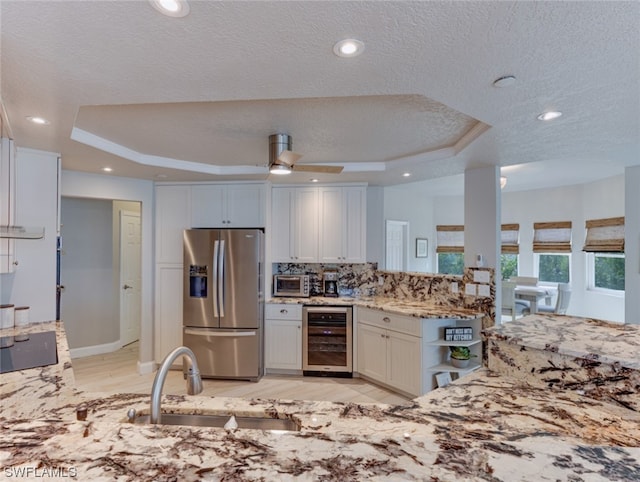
(482,427)
(577,337)
(415,308)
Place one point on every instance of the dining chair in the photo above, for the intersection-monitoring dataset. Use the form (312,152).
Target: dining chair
(510,306)
(562,301)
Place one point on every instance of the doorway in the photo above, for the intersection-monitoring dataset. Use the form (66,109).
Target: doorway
(396,235)
(92,269)
(130,276)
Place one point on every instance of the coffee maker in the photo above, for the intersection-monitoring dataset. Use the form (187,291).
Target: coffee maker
(330,283)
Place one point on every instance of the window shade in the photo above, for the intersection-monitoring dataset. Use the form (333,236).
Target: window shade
(605,235)
(509,235)
(450,239)
(552,237)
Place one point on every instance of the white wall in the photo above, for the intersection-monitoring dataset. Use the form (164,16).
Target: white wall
(375,225)
(602,199)
(88,307)
(78,184)
(632,245)
(413,203)
(571,203)
(34,282)
(577,203)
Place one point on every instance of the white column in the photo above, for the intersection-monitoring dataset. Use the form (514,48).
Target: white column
(482,215)
(632,245)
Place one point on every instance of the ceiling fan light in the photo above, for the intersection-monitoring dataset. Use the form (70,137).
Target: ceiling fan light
(279,169)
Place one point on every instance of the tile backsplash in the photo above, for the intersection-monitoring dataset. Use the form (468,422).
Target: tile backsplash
(365,279)
(353,279)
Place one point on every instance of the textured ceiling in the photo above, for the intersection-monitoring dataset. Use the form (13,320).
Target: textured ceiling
(127,87)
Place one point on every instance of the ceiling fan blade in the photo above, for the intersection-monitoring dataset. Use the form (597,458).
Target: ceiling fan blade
(317,168)
(289,157)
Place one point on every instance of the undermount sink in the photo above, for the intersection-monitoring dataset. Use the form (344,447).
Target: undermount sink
(204,420)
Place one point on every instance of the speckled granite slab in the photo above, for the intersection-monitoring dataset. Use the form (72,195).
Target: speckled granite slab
(599,359)
(418,309)
(483,427)
(479,428)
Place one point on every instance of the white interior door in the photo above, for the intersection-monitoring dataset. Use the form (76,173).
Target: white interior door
(130,277)
(396,245)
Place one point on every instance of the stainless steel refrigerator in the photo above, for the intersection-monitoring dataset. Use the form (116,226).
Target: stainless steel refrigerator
(223,310)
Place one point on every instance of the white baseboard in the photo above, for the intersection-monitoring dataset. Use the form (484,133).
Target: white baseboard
(94,350)
(146,367)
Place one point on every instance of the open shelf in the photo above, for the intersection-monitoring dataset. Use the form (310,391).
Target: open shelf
(454,343)
(446,367)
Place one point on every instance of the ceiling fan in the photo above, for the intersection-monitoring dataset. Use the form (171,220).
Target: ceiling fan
(282,160)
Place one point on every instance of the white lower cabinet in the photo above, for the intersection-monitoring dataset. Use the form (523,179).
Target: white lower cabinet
(283,337)
(404,353)
(389,352)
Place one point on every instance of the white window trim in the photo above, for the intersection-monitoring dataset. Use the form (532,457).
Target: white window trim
(590,273)
(536,268)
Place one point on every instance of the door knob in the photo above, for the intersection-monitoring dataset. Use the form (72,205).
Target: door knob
(127,287)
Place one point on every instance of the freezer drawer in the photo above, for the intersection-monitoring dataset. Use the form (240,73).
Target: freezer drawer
(226,353)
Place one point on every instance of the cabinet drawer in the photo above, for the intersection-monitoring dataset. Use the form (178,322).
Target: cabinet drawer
(403,324)
(283,311)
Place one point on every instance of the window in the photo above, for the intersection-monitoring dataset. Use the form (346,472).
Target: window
(450,249)
(451,263)
(606,271)
(554,268)
(552,247)
(509,236)
(604,244)
(509,265)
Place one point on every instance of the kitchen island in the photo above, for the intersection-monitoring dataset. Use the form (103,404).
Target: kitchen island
(485,426)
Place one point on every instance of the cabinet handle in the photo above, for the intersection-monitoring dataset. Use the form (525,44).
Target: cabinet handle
(283,311)
(386,319)
(381,336)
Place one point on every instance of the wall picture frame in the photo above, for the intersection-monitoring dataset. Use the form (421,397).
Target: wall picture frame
(422,247)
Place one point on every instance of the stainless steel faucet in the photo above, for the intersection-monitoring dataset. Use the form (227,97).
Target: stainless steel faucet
(194,382)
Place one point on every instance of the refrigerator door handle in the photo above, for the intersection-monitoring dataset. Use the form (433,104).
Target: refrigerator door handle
(214,288)
(209,332)
(221,279)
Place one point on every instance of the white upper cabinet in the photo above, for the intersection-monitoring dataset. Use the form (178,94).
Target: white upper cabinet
(306,225)
(294,225)
(227,205)
(319,224)
(172,218)
(7,202)
(342,224)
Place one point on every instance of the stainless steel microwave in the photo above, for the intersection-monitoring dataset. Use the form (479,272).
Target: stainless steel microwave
(291,285)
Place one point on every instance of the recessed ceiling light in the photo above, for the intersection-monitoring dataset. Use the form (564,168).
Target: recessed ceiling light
(171,8)
(348,48)
(504,81)
(406,174)
(547,116)
(38,120)
(107,169)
